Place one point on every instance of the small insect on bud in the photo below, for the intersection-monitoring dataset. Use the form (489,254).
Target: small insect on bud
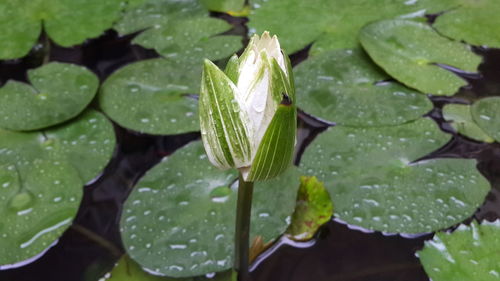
(248,113)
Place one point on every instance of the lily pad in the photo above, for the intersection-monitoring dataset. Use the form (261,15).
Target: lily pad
(333,24)
(314,208)
(459,115)
(39,200)
(374,184)
(485,113)
(179,219)
(179,30)
(67,22)
(229,6)
(468,253)
(397,46)
(58,92)
(475,22)
(151,97)
(87,143)
(344,86)
(128,270)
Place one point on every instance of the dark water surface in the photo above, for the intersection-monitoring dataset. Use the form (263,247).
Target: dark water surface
(92,245)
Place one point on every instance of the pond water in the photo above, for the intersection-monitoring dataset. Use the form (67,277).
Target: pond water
(92,245)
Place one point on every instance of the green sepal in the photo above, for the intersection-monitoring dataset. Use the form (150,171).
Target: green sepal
(232,70)
(276,149)
(280,83)
(291,79)
(224,134)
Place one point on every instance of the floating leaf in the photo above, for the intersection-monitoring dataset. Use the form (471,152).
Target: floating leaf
(333,24)
(475,22)
(397,46)
(374,184)
(314,208)
(341,86)
(459,115)
(151,97)
(58,92)
(67,22)
(39,199)
(179,219)
(128,270)
(487,116)
(468,253)
(230,6)
(87,143)
(179,30)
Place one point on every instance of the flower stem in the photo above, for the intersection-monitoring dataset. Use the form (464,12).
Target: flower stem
(242,232)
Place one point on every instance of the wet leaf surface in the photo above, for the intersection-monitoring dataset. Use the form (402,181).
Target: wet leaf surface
(87,143)
(486,114)
(341,86)
(475,22)
(373,183)
(468,253)
(151,97)
(39,200)
(58,92)
(67,22)
(179,30)
(330,24)
(395,45)
(313,209)
(198,239)
(460,118)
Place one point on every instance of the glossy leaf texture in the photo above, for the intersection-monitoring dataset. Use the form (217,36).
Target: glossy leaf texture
(66,22)
(475,22)
(179,220)
(179,30)
(39,199)
(460,118)
(330,24)
(58,92)
(374,183)
(314,208)
(486,114)
(345,87)
(155,94)
(470,252)
(397,47)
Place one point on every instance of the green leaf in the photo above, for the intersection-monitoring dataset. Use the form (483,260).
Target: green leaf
(459,115)
(224,5)
(151,96)
(330,24)
(128,270)
(58,92)
(486,115)
(374,184)
(87,143)
(314,208)
(468,253)
(179,219)
(343,86)
(475,22)
(180,30)
(67,22)
(397,46)
(39,200)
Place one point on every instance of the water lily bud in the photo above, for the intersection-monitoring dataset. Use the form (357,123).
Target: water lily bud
(248,113)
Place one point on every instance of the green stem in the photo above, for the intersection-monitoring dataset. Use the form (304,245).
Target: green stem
(242,232)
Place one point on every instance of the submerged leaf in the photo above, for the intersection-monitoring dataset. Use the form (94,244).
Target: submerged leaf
(314,208)
(468,253)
